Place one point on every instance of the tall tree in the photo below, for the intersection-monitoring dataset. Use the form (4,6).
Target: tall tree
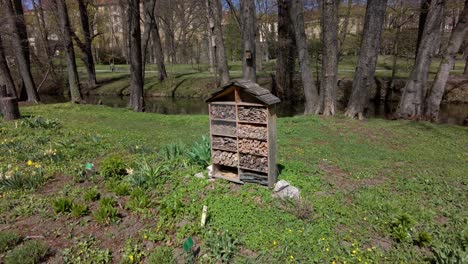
(65,28)
(86,47)
(249,32)
(15,17)
(310,90)
(215,15)
(367,61)
(5,74)
(152,31)
(412,100)
(330,51)
(137,101)
(424,10)
(448,60)
(286,53)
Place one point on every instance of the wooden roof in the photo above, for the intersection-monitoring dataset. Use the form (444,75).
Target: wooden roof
(252,88)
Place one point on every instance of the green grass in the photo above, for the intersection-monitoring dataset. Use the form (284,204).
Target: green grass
(361,179)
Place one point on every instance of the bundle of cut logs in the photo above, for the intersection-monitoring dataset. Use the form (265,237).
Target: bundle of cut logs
(223,128)
(254,178)
(224,143)
(224,158)
(254,162)
(223,112)
(253,146)
(253,114)
(252,131)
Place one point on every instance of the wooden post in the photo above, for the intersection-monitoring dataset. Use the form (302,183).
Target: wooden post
(8,105)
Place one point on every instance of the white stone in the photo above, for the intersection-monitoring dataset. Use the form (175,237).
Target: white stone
(200,175)
(280,185)
(210,171)
(284,190)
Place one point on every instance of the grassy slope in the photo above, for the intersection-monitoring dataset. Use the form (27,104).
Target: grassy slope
(194,81)
(359,176)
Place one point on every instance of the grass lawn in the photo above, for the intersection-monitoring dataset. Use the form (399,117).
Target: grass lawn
(99,184)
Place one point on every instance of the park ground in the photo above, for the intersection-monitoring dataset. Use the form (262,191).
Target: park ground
(93,184)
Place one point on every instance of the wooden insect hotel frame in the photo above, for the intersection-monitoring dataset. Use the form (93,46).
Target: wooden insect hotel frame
(243,133)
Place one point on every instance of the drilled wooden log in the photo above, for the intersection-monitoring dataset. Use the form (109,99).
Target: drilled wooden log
(253,114)
(252,131)
(223,128)
(224,158)
(254,162)
(253,146)
(226,143)
(223,112)
(9,108)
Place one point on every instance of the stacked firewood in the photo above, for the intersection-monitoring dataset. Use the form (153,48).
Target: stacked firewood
(224,128)
(224,143)
(224,158)
(251,131)
(253,146)
(223,112)
(254,162)
(254,178)
(253,114)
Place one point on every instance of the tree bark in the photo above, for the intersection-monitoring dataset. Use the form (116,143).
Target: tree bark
(88,53)
(424,10)
(9,108)
(367,61)
(73,80)
(215,12)
(310,90)
(412,100)
(158,51)
(20,41)
(5,74)
(249,32)
(465,71)
(330,51)
(344,30)
(438,87)
(137,101)
(286,53)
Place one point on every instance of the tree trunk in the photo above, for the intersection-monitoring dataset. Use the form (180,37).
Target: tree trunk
(424,10)
(124,16)
(214,7)
(20,42)
(88,53)
(367,61)
(438,87)
(465,71)
(9,108)
(330,51)
(137,101)
(158,51)
(73,80)
(286,53)
(344,29)
(310,90)
(249,31)
(412,100)
(148,14)
(5,74)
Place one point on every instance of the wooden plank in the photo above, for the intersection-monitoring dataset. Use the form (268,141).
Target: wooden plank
(272,166)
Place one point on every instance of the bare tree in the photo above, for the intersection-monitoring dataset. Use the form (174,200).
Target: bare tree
(157,45)
(412,100)
(344,29)
(5,74)
(367,61)
(215,14)
(15,17)
(330,52)
(249,31)
(424,10)
(283,85)
(448,60)
(310,90)
(65,28)
(86,47)
(137,101)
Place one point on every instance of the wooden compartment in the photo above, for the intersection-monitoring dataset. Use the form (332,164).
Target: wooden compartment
(243,133)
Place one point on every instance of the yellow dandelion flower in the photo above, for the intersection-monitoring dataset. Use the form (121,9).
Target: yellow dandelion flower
(354,252)
(131,258)
(275,243)
(29,163)
(327,249)
(291,257)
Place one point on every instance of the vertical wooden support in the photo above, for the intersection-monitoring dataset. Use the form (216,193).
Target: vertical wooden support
(272,167)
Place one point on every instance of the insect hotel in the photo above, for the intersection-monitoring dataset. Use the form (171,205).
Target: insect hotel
(243,133)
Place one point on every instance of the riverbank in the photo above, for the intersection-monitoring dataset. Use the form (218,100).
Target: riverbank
(375,191)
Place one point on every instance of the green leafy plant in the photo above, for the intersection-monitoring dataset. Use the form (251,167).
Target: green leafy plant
(448,255)
(423,239)
(148,175)
(161,255)
(113,166)
(107,213)
(29,177)
(200,152)
(79,210)
(62,205)
(91,195)
(401,228)
(8,240)
(139,201)
(221,246)
(40,122)
(31,251)
(172,151)
(118,187)
(132,252)
(86,252)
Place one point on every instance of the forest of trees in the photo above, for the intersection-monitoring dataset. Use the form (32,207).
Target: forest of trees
(219,32)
